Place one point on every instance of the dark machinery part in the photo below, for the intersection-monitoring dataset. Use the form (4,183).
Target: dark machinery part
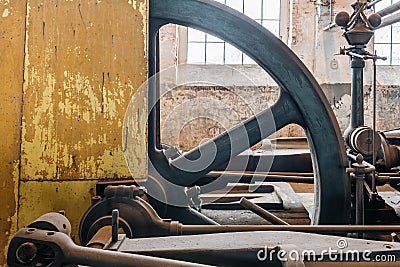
(57,249)
(35,247)
(364,140)
(301,96)
(53,221)
(358,30)
(136,217)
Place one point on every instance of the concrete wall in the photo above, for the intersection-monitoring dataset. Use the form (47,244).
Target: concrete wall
(69,70)
(313,45)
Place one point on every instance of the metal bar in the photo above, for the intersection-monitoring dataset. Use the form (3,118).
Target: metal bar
(369,165)
(208,229)
(389,10)
(373,180)
(297,174)
(390,20)
(100,258)
(330,26)
(373,3)
(115,225)
(389,178)
(248,177)
(368,189)
(359,199)
(261,212)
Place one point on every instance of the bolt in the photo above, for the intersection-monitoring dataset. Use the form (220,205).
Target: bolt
(26,252)
(395,237)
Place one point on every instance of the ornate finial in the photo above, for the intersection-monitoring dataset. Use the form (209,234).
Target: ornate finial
(359,159)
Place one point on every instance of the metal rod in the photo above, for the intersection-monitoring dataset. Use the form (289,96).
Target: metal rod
(369,165)
(297,174)
(247,177)
(373,180)
(389,10)
(373,3)
(115,225)
(359,199)
(389,20)
(261,212)
(330,26)
(208,229)
(389,178)
(99,258)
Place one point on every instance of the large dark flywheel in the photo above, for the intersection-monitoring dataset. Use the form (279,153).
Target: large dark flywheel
(302,101)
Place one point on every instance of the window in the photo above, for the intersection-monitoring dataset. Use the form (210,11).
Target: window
(204,48)
(387,39)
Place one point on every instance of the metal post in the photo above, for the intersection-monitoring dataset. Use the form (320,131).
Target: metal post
(357,92)
(115,225)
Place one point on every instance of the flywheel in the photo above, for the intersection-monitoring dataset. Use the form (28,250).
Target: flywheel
(301,101)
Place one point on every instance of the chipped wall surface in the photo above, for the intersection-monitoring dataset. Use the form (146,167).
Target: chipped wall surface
(81,70)
(69,71)
(12,35)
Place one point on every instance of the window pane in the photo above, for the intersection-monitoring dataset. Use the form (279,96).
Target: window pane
(196,36)
(396,54)
(196,53)
(271,9)
(248,60)
(252,8)
(211,38)
(236,4)
(383,50)
(232,55)
(272,25)
(382,35)
(215,53)
(396,33)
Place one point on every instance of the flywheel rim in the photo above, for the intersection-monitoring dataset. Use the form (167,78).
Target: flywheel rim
(332,185)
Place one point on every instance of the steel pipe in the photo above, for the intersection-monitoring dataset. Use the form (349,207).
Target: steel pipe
(389,10)
(373,3)
(390,20)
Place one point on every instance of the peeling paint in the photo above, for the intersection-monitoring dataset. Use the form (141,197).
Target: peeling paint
(6,12)
(13,218)
(79,76)
(132,3)
(144,12)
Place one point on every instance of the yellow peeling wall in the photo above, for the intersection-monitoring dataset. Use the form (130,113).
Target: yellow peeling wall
(68,71)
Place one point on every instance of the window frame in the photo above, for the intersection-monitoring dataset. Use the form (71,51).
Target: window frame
(389,61)
(183,38)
